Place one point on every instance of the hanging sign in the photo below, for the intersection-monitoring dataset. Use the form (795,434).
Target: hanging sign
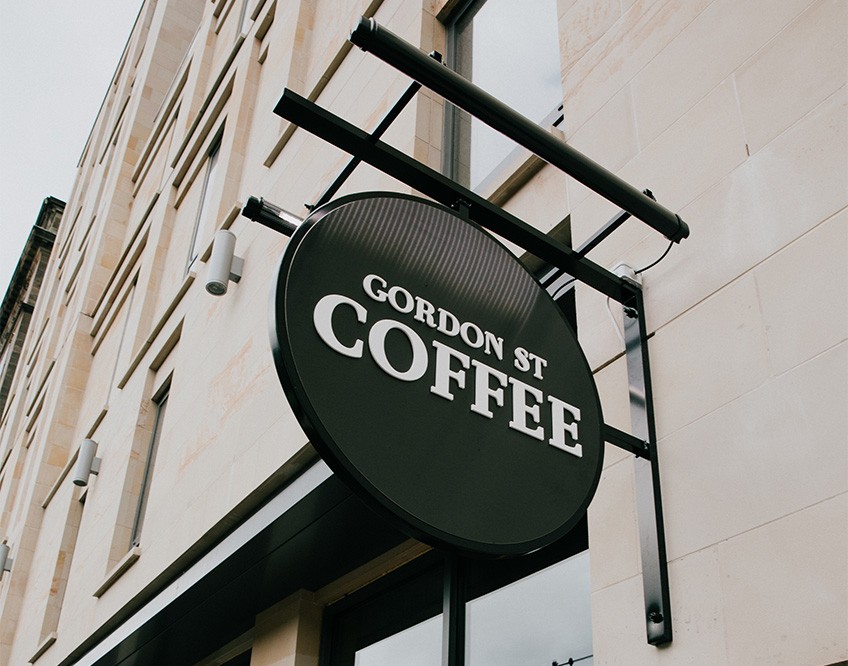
(435,375)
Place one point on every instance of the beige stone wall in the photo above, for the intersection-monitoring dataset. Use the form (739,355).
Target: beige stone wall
(733,113)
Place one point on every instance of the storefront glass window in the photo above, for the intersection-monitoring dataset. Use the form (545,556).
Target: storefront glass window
(420,645)
(511,50)
(534,609)
(544,618)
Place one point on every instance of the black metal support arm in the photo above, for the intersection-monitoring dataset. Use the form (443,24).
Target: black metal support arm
(453,613)
(413,62)
(624,440)
(354,162)
(271,216)
(439,187)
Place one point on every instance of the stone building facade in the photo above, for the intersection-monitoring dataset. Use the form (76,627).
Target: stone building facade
(212,533)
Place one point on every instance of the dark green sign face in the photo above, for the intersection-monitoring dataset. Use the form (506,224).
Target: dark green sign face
(435,375)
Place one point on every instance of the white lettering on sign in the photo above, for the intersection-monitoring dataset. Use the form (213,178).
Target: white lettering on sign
(323,315)
(521,410)
(444,374)
(442,320)
(377,347)
(523,359)
(560,427)
(484,393)
(491,388)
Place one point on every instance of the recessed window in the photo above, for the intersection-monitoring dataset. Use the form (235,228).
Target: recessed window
(511,50)
(7,368)
(204,220)
(124,350)
(244,17)
(161,404)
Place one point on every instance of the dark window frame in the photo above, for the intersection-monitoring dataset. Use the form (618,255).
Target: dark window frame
(413,594)
(453,139)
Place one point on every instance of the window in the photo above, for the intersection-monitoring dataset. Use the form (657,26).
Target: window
(397,616)
(420,645)
(161,401)
(207,191)
(11,355)
(62,566)
(5,364)
(121,358)
(511,50)
(244,18)
(543,618)
(534,609)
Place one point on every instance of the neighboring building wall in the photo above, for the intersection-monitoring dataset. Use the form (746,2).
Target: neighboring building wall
(16,336)
(22,293)
(732,113)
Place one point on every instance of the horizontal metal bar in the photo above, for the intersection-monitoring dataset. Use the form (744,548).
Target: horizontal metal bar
(271,216)
(370,36)
(626,441)
(439,187)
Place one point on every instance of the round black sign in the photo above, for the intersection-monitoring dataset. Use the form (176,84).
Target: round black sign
(435,375)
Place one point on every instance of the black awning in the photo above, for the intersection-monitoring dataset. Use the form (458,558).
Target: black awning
(309,534)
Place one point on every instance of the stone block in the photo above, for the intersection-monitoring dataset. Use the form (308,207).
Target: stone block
(785,589)
(801,67)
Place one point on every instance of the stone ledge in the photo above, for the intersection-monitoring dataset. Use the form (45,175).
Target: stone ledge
(125,563)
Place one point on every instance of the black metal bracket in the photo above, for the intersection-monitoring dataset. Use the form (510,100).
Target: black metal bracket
(642,444)
(342,134)
(606,231)
(570,264)
(271,216)
(624,440)
(403,56)
(556,281)
(647,474)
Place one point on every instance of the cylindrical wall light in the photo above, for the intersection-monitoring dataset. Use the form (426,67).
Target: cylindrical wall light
(5,561)
(87,464)
(223,264)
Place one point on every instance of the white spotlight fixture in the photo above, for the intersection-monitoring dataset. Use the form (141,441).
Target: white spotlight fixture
(5,561)
(223,264)
(87,464)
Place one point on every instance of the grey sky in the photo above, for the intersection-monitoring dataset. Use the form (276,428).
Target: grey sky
(56,61)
